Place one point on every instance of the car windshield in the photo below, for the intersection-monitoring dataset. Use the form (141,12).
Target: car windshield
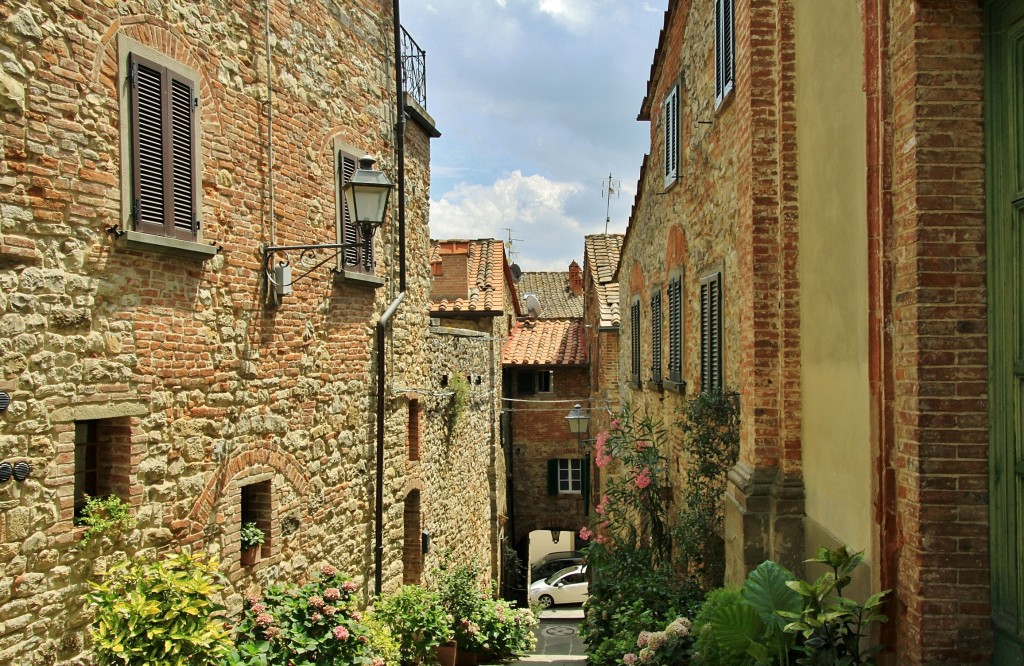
(550,580)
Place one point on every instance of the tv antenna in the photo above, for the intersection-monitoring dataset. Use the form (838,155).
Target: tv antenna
(609,188)
(512,254)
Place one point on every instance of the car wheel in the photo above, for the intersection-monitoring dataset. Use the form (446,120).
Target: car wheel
(545,601)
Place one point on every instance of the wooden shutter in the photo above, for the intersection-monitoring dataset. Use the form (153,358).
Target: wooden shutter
(725,49)
(585,485)
(553,476)
(634,343)
(656,337)
(671,122)
(711,333)
(675,330)
(164,151)
(349,233)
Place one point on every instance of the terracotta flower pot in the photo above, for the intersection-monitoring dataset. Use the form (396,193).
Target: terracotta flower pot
(250,556)
(446,654)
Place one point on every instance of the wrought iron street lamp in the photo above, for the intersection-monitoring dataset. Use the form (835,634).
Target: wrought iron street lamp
(366,194)
(579,424)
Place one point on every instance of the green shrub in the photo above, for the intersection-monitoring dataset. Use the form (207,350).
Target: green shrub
(251,535)
(417,620)
(109,515)
(316,623)
(706,649)
(507,631)
(384,650)
(159,612)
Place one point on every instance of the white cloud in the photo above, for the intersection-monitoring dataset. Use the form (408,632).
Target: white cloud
(534,207)
(577,15)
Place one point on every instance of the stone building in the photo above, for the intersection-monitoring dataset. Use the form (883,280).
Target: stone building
(824,218)
(545,375)
(602,321)
(152,349)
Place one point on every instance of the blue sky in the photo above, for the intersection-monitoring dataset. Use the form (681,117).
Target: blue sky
(536,101)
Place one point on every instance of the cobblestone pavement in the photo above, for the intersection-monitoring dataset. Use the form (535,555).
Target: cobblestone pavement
(558,638)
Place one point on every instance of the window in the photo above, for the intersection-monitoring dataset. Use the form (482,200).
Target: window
(414,430)
(656,337)
(725,50)
(565,476)
(257,508)
(711,332)
(529,382)
(103,453)
(353,260)
(163,124)
(545,381)
(670,120)
(634,342)
(675,329)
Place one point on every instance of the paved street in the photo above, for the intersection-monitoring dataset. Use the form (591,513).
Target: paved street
(558,639)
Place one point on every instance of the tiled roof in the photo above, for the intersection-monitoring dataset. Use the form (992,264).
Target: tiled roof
(602,251)
(545,342)
(552,289)
(487,275)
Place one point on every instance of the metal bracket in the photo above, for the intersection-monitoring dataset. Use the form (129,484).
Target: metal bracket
(306,251)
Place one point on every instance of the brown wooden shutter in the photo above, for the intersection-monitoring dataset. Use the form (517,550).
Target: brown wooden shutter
(355,259)
(634,343)
(184,150)
(656,337)
(711,333)
(675,330)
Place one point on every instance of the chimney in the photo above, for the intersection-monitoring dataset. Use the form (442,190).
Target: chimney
(451,282)
(575,279)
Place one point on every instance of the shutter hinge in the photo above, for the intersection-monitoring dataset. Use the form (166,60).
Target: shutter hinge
(135,210)
(133,75)
(195,103)
(198,224)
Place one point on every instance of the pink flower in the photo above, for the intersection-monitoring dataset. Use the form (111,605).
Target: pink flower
(357,616)
(271,633)
(253,599)
(348,586)
(602,456)
(264,620)
(330,611)
(316,601)
(641,640)
(586,534)
(629,659)
(643,444)
(328,571)
(317,617)
(643,479)
(377,661)
(340,632)
(602,506)
(332,594)
(258,608)
(616,425)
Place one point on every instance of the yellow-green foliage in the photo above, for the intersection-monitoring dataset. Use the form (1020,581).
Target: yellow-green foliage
(159,612)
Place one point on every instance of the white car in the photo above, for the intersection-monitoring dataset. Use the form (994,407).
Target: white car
(566,586)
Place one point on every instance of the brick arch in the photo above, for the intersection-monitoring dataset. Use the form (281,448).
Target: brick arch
(675,252)
(162,36)
(239,464)
(567,523)
(636,280)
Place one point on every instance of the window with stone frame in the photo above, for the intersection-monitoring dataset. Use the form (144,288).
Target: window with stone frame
(675,329)
(656,323)
(355,259)
(103,452)
(711,332)
(257,507)
(670,135)
(162,111)
(413,436)
(725,50)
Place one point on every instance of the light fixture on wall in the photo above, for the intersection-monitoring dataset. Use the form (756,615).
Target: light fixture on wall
(366,194)
(555,534)
(579,424)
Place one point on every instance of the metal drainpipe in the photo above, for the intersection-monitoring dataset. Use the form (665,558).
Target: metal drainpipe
(378,555)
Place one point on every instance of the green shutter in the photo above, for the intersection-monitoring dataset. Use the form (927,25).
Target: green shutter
(586,484)
(553,476)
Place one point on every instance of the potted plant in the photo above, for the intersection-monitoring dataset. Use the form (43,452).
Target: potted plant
(417,620)
(252,538)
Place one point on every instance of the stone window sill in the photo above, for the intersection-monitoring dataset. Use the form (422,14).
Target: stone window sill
(358,279)
(174,247)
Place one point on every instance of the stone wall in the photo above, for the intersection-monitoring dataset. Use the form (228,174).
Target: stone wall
(203,384)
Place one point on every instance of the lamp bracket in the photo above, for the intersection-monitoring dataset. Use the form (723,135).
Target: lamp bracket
(311,251)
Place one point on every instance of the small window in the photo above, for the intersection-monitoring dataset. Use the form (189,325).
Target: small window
(634,346)
(257,507)
(711,332)
(670,121)
(656,337)
(102,460)
(675,329)
(357,260)
(725,50)
(570,476)
(545,381)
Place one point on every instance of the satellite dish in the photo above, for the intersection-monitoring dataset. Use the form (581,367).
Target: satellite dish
(517,273)
(533,308)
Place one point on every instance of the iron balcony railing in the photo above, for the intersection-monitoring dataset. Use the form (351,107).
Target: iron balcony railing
(414,69)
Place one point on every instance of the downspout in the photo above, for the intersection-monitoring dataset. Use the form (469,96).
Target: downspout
(378,555)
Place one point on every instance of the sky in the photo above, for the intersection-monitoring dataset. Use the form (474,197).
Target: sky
(536,101)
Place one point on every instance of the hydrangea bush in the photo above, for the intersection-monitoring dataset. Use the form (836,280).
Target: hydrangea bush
(312,624)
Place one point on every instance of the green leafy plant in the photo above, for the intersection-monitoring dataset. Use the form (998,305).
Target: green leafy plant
(304,625)
(159,612)
(458,587)
(754,625)
(832,626)
(667,647)
(417,620)
(460,398)
(711,437)
(109,516)
(382,646)
(252,536)
(706,649)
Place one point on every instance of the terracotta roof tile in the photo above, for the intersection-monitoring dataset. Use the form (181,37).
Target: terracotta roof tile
(545,342)
(608,297)
(552,289)
(486,271)
(602,252)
